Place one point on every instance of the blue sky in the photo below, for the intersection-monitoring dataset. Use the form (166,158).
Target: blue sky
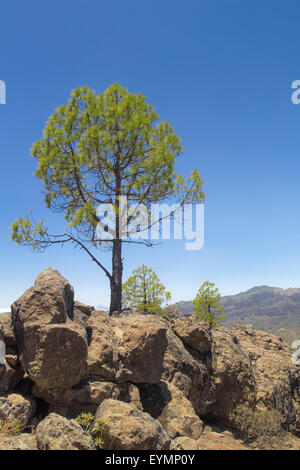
(221,73)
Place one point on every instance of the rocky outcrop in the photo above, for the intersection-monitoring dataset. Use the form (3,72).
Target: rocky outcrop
(87,396)
(130,428)
(156,380)
(167,404)
(189,372)
(232,375)
(193,332)
(52,347)
(120,347)
(56,433)
(277,379)
(172,414)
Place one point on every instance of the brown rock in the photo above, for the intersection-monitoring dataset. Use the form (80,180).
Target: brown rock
(16,409)
(184,443)
(57,433)
(130,428)
(102,358)
(18,442)
(10,377)
(194,332)
(85,309)
(87,396)
(178,417)
(172,409)
(189,373)
(142,347)
(53,348)
(7,334)
(49,301)
(277,378)
(120,347)
(232,375)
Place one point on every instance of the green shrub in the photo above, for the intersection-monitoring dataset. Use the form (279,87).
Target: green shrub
(100,430)
(259,426)
(85,420)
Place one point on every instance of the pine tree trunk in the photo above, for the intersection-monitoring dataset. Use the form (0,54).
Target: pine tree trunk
(117,265)
(116,279)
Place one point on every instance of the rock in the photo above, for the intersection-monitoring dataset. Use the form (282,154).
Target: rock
(12,360)
(57,433)
(189,373)
(9,377)
(142,347)
(277,378)
(17,409)
(120,347)
(6,328)
(58,357)
(87,396)
(53,348)
(194,332)
(172,409)
(179,417)
(232,375)
(102,358)
(18,442)
(184,443)
(82,313)
(130,428)
(49,301)
(211,440)
(85,309)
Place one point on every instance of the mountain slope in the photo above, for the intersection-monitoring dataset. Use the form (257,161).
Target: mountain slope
(265,308)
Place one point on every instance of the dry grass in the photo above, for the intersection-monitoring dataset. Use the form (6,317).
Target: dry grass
(10,427)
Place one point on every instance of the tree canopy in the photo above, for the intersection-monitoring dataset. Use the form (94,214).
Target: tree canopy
(207,306)
(144,291)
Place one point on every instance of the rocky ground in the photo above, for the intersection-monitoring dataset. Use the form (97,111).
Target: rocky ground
(152,383)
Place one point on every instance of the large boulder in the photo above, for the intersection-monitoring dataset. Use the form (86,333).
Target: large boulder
(52,347)
(277,378)
(87,396)
(49,301)
(16,410)
(129,348)
(186,370)
(57,433)
(232,375)
(129,428)
(179,417)
(172,409)
(193,332)
(102,358)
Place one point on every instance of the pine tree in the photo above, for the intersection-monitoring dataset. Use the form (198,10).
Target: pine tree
(207,306)
(98,149)
(144,292)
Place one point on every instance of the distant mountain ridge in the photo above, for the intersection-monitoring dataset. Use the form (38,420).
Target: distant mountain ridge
(265,308)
